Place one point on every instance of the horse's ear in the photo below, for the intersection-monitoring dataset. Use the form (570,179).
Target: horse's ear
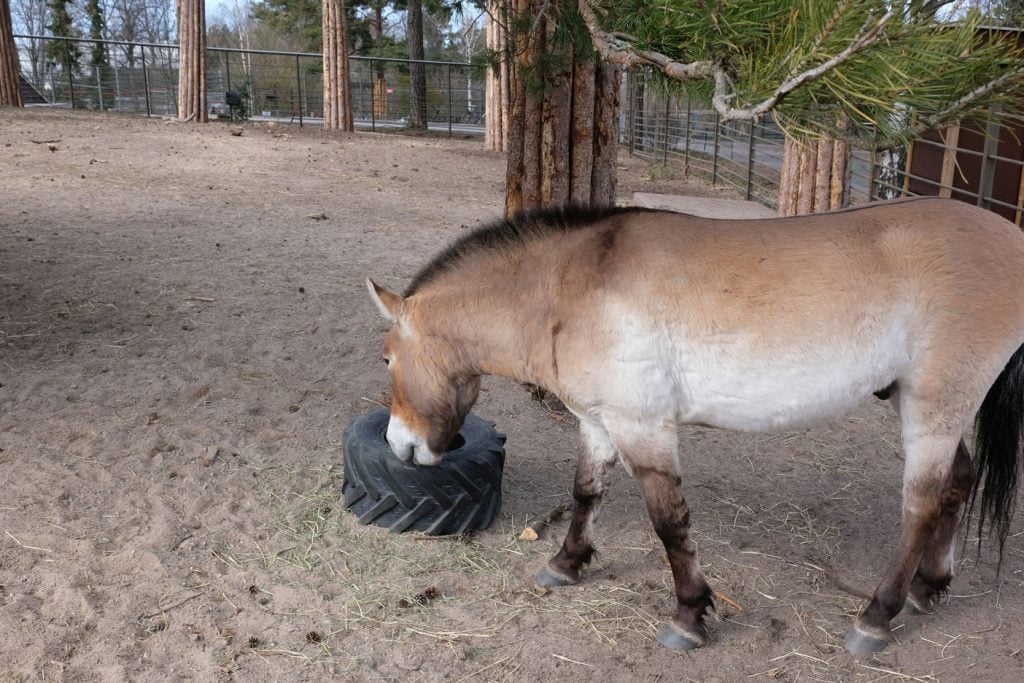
(389,303)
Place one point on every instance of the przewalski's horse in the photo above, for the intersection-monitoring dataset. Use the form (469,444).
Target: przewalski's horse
(640,321)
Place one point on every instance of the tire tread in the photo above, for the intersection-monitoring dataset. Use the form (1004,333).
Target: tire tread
(461,494)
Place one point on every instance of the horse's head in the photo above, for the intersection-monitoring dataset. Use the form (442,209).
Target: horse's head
(431,390)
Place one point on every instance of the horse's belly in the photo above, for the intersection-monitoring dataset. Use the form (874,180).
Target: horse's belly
(782,392)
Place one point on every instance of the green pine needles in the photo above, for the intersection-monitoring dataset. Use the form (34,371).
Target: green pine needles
(873,71)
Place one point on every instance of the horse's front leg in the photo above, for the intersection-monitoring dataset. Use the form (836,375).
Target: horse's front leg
(596,457)
(926,481)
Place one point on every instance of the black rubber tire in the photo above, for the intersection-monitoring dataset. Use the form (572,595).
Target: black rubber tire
(462,493)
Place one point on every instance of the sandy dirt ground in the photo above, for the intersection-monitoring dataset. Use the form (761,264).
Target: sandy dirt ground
(185,333)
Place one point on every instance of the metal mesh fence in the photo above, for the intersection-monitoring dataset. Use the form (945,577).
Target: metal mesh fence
(986,167)
(983,168)
(285,87)
(688,133)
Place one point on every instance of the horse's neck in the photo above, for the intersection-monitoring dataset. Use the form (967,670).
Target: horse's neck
(501,331)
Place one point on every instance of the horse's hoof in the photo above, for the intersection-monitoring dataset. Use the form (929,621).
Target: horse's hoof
(674,638)
(860,643)
(549,578)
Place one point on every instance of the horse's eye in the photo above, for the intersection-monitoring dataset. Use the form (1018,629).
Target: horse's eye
(387,361)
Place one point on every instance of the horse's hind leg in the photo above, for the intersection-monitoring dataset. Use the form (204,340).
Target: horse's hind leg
(927,473)
(671,517)
(597,456)
(936,568)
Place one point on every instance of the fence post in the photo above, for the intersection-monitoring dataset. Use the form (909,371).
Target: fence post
(714,158)
(750,160)
(664,149)
(227,69)
(449,100)
(298,88)
(373,98)
(686,149)
(145,83)
(988,161)
(172,92)
(71,76)
(873,175)
(99,87)
(630,118)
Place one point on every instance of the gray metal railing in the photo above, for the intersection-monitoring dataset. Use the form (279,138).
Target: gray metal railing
(686,133)
(264,85)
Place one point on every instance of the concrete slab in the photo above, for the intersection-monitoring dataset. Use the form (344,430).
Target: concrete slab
(706,207)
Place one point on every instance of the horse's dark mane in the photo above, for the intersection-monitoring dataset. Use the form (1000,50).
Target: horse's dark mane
(520,229)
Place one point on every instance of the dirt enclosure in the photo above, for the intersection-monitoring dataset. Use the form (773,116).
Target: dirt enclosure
(184,333)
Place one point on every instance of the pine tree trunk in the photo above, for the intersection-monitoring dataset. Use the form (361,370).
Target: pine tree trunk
(608,82)
(823,176)
(380,97)
(417,71)
(584,85)
(839,192)
(517,117)
(337,87)
(192,60)
(562,140)
(556,127)
(10,87)
(814,176)
(380,84)
(498,104)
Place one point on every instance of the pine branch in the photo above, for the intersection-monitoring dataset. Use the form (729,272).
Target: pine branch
(871,33)
(823,35)
(950,113)
(615,50)
(536,30)
(619,51)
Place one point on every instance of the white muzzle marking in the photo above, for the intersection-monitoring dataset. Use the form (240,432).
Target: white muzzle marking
(408,445)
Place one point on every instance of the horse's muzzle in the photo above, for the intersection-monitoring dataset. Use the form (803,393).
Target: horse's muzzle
(408,445)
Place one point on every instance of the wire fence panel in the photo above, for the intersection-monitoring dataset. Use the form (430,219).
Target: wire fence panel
(985,168)
(285,87)
(689,134)
(981,167)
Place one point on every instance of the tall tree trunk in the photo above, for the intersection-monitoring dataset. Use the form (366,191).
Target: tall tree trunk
(515,142)
(417,70)
(337,87)
(562,140)
(10,87)
(815,176)
(380,85)
(498,98)
(603,181)
(556,129)
(192,60)
(584,82)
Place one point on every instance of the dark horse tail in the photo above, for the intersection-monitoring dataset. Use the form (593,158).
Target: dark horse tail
(999,433)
